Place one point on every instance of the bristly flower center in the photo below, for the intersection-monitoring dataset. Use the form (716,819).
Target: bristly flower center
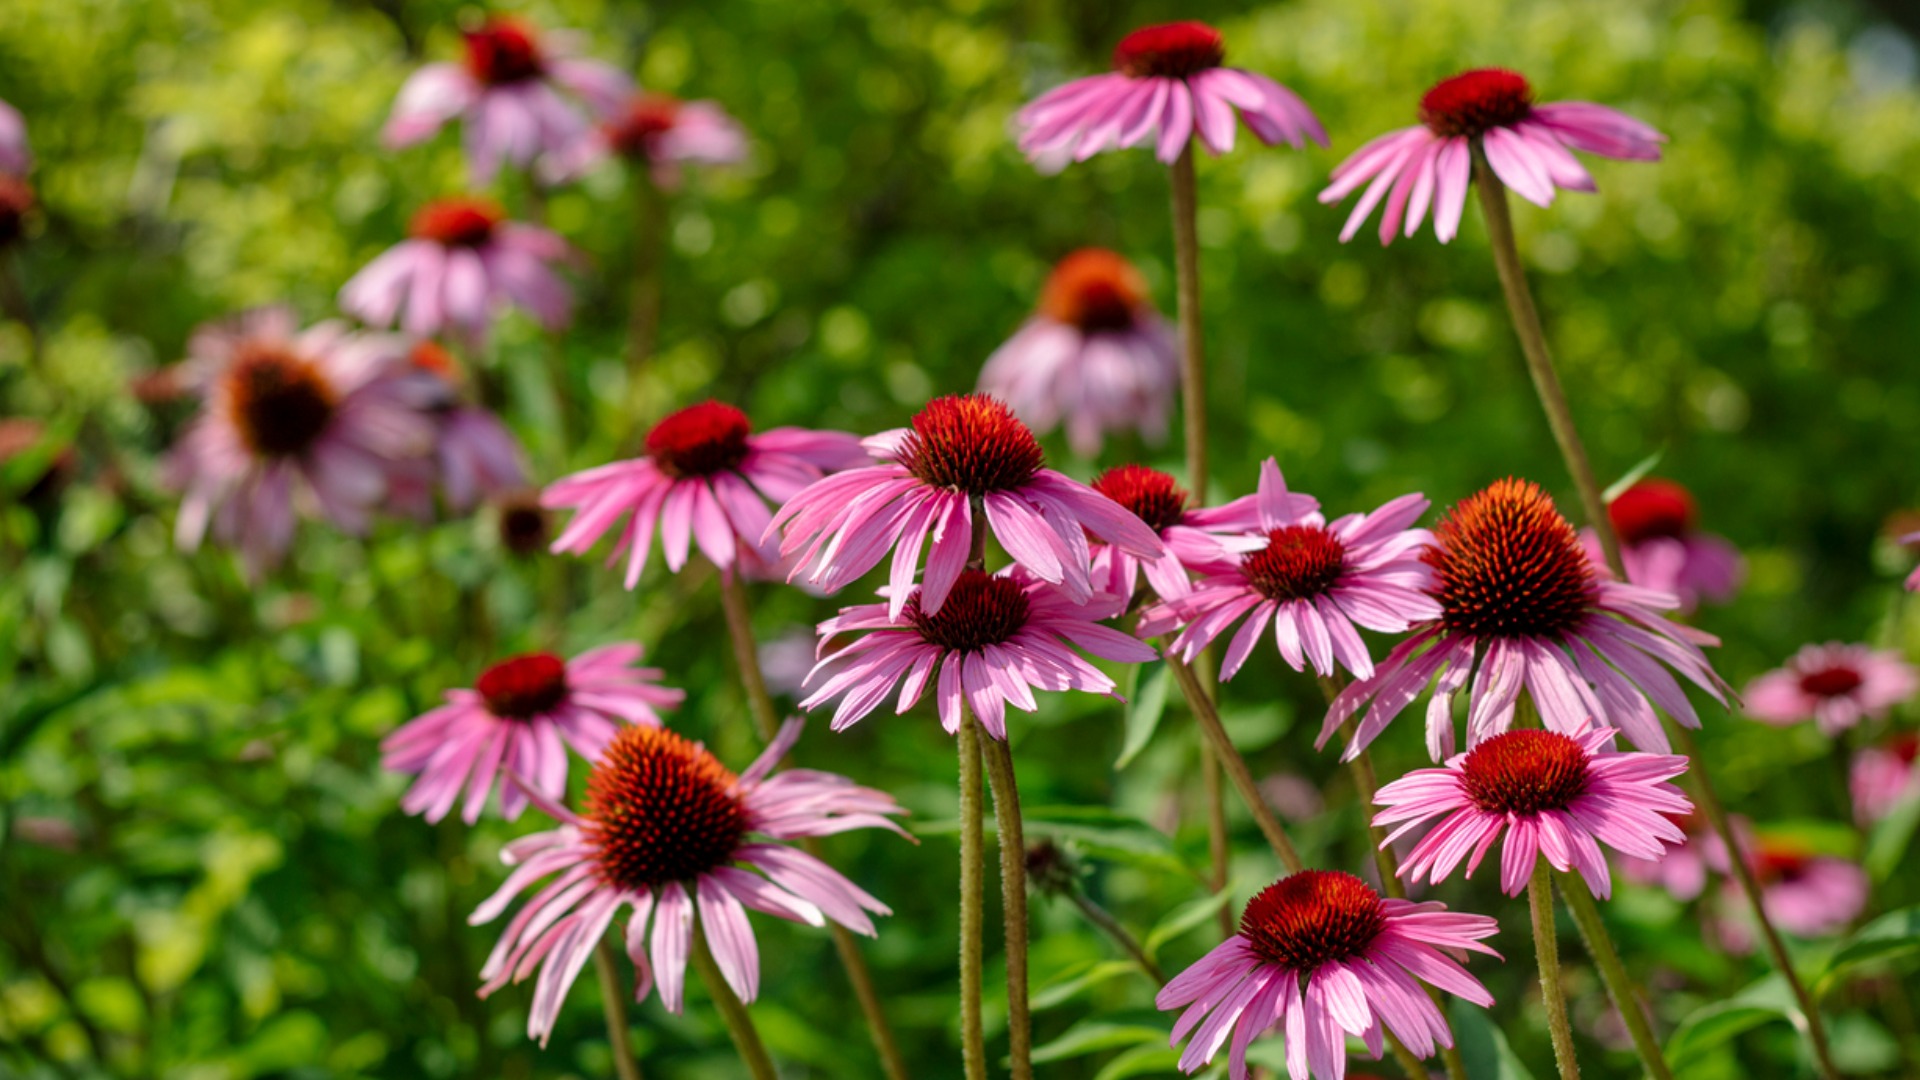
(661,809)
(1773,864)
(1299,562)
(1508,565)
(970,443)
(1525,772)
(523,687)
(1651,510)
(1170,50)
(1148,494)
(700,440)
(1312,918)
(1473,102)
(640,125)
(1093,290)
(503,51)
(456,222)
(523,524)
(1836,681)
(280,401)
(981,610)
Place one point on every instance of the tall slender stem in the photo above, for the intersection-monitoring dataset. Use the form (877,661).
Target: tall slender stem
(766,721)
(746,1038)
(1236,766)
(1218,853)
(1593,933)
(1013,901)
(1533,343)
(1193,358)
(1547,948)
(613,998)
(1104,920)
(973,874)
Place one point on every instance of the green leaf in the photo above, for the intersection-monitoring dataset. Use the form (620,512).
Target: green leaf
(1104,833)
(1633,476)
(1711,1026)
(1093,1036)
(1147,701)
(1184,918)
(1077,979)
(1887,845)
(1483,1049)
(1141,1061)
(1894,934)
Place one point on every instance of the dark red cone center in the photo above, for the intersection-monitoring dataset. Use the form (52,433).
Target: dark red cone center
(1094,290)
(1474,101)
(1148,494)
(1525,772)
(1510,566)
(456,222)
(503,51)
(16,200)
(970,443)
(1836,681)
(1312,918)
(660,809)
(1299,562)
(1171,50)
(640,125)
(523,687)
(981,610)
(281,403)
(1650,510)
(700,440)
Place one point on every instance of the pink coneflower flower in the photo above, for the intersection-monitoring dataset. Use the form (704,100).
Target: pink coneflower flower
(1320,956)
(15,156)
(1834,685)
(1556,795)
(512,95)
(1197,540)
(995,640)
(665,829)
(1804,894)
(518,719)
(1313,582)
(1882,776)
(1521,599)
(658,133)
(959,451)
(463,263)
(1527,146)
(292,422)
(474,455)
(1166,79)
(1096,356)
(706,479)
(1662,548)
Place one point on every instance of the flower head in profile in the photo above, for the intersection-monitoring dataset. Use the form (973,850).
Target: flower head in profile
(1198,539)
(1320,955)
(1663,548)
(474,455)
(1095,358)
(1313,582)
(292,422)
(1521,603)
(658,133)
(960,451)
(15,156)
(667,831)
(518,720)
(517,92)
(1491,110)
(706,479)
(1553,795)
(463,263)
(1170,82)
(1883,775)
(1836,686)
(995,640)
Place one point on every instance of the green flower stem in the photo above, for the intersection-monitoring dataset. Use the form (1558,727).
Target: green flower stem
(1236,766)
(973,873)
(1013,901)
(746,1038)
(1593,933)
(1547,948)
(613,998)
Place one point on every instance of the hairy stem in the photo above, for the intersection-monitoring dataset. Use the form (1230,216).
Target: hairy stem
(1236,766)
(1103,919)
(1540,902)
(1593,933)
(1013,901)
(1218,853)
(746,655)
(746,1038)
(973,873)
(613,998)
(1193,359)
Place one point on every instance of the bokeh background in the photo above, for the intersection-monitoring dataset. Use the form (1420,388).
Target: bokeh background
(204,871)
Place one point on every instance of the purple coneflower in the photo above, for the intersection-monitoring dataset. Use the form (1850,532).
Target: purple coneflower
(666,830)
(706,479)
(512,95)
(1166,79)
(1834,685)
(1320,955)
(1805,894)
(960,450)
(995,640)
(518,720)
(292,422)
(1198,540)
(1312,581)
(474,455)
(1664,550)
(1556,795)
(1520,599)
(658,133)
(1528,147)
(1882,776)
(15,156)
(1096,357)
(462,264)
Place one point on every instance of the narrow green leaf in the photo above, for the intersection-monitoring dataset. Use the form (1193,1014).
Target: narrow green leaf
(1093,1036)
(1146,702)
(1077,979)
(1633,476)
(1141,1061)
(1184,918)
(1711,1026)
(1894,934)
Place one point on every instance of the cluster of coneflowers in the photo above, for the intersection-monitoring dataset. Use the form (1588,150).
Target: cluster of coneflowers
(1568,647)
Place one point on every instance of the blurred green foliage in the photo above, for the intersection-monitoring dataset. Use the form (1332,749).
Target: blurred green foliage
(204,872)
